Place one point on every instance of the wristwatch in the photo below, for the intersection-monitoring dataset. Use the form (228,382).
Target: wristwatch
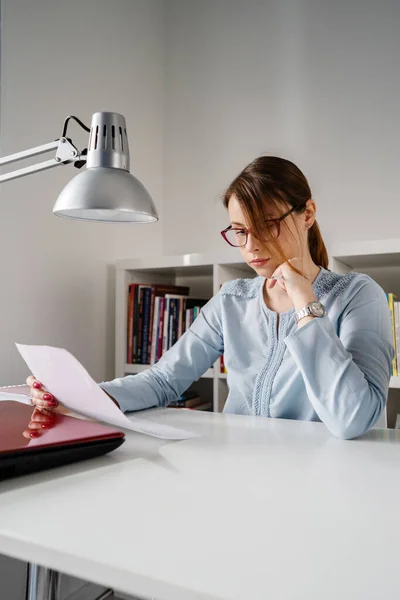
(313,309)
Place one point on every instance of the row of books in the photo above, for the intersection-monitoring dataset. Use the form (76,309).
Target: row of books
(158,314)
(394,306)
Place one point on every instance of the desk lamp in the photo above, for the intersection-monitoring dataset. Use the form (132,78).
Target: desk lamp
(106,191)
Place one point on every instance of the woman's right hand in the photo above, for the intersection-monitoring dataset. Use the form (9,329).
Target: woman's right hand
(42,398)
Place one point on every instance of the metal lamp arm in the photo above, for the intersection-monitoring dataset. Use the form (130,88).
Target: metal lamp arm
(66,153)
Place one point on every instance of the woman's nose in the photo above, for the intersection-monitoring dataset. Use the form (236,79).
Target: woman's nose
(252,242)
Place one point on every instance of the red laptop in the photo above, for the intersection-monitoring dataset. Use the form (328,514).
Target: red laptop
(68,440)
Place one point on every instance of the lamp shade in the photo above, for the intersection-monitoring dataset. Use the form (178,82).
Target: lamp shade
(106,194)
(106,190)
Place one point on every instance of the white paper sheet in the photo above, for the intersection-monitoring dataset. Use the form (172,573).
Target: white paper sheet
(64,377)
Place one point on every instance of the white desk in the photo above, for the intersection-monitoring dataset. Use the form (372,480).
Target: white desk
(254,509)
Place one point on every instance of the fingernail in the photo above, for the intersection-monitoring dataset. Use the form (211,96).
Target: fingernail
(37,385)
(52,403)
(34,434)
(47,397)
(45,425)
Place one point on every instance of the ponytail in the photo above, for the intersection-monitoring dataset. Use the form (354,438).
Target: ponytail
(317,247)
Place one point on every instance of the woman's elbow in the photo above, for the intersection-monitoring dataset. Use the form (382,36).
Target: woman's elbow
(362,419)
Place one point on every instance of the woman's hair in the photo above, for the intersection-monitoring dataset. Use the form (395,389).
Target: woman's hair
(270,180)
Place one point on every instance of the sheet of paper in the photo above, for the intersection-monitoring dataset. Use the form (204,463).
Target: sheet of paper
(64,377)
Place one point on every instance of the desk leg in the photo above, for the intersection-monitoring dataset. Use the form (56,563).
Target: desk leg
(42,583)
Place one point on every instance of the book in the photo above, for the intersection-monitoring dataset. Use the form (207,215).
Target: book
(146,326)
(140,326)
(160,329)
(179,324)
(392,298)
(135,326)
(222,364)
(397,330)
(154,333)
(160,290)
(130,324)
(165,326)
(192,308)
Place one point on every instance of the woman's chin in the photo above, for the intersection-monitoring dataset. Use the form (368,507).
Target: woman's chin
(265,270)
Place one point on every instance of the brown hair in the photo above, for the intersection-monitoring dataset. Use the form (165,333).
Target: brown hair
(277,181)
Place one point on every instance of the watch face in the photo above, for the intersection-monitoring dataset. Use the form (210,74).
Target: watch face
(318,309)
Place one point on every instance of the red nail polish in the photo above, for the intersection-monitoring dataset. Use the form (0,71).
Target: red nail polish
(47,397)
(37,385)
(44,426)
(52,403)
(33,434)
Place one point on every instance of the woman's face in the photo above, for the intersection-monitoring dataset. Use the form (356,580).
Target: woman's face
(292,238)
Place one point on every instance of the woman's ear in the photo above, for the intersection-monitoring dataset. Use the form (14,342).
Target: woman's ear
(310,213)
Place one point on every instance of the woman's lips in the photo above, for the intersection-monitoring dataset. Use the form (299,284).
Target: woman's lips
(259,262)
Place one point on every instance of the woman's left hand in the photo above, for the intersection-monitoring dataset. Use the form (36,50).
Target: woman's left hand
(298,287)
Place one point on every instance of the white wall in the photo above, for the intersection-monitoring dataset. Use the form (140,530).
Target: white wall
(315,81)
(311,80)
(61,58)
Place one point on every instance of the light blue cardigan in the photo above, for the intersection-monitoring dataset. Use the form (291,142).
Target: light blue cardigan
(335,369)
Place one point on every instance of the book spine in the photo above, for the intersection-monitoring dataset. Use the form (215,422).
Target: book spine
(397,330)
(171,322)
(181,302)
(222,364)
(135,323)
(154,337)
(166,326)
(174,320)
(129,328)
(391,299)
(151,318)
(160,329)
(140,325)
(146,318)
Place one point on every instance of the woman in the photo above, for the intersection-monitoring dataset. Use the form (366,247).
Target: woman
(299,341)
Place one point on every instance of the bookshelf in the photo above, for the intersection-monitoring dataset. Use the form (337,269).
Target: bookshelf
(205,273)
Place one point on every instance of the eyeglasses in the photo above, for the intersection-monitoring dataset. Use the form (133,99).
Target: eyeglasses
(237,237)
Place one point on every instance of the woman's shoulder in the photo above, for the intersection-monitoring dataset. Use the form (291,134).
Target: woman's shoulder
(327,284)
(245,288)
(349,284)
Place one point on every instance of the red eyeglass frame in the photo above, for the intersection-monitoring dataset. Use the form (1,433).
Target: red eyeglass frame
(277,221)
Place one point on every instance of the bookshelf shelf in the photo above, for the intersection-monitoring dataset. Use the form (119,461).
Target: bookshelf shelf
(368,254)
(395,382)
(205,273)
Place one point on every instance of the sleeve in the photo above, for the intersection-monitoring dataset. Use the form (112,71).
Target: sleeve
(186,361)
(347,372)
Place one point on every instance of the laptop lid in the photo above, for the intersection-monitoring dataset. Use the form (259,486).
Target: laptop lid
(68,440)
